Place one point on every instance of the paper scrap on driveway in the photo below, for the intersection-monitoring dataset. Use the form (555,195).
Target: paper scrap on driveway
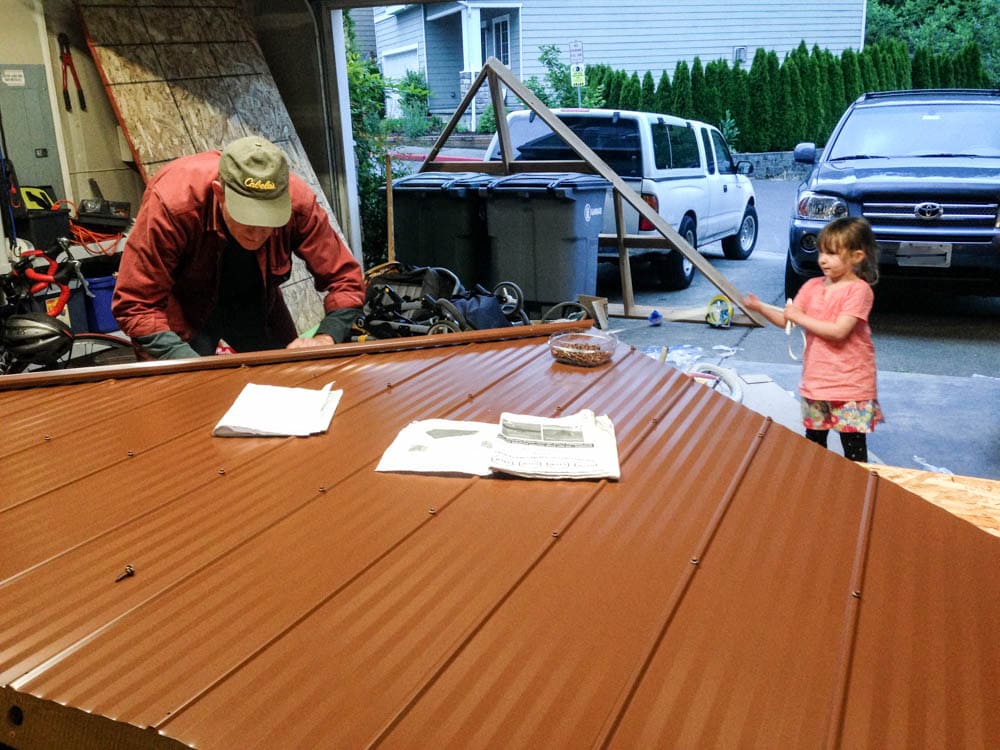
(578,446)
(271,410)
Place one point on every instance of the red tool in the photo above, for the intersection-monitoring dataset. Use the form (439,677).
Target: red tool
(67,64)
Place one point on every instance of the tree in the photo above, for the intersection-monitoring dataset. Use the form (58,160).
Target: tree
(698,103)
(758,136)
(940,28)
(664,94)
(716,103)
(631,95)
(853,88)
(921,70)
(682,90)
(647,98)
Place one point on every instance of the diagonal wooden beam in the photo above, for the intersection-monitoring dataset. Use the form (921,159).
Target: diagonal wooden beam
(497,73)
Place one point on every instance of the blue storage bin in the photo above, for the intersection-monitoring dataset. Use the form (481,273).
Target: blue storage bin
(99,315)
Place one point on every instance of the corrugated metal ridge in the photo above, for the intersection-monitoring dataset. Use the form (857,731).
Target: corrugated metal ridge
(287,595)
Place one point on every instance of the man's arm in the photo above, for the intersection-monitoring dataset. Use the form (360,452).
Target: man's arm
(166,345)
(145,276)
(334,269)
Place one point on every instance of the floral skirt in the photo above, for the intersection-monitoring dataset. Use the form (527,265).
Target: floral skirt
(841,416)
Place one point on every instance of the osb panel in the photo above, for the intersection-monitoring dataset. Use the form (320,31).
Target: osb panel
(129,64)
(237,58)
(162,136)
(301,297)
(974,499)
(255,100)
(115,25)
(227,24)
(208,112)
(187,61)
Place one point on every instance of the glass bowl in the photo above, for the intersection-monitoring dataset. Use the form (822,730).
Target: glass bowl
(582,348)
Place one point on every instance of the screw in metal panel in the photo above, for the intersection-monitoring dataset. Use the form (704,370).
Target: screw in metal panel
(221,472)
(555,534)
(856,594)
(322,489)
(129,571)
(695,560)
(46,437)
(432,511)
(131,454)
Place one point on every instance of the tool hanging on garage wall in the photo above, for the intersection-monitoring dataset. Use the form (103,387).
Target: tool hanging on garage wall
(67,65)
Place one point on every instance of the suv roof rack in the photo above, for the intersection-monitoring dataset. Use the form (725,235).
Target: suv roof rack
(868,96)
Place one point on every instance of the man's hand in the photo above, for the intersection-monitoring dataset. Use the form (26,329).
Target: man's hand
(320,339)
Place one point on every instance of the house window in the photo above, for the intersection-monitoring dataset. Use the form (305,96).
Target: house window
(739,54)
(501,39)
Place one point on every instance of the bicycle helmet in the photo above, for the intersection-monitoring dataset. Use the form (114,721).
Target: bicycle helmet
(36,338)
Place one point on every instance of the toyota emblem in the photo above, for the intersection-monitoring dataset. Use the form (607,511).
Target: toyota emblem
(928,210)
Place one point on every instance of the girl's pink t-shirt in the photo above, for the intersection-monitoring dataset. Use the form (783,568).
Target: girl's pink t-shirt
(838,370)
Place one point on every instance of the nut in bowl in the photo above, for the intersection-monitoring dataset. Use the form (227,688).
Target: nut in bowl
(582,348)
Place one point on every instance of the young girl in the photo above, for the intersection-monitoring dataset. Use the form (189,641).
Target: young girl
(838,386)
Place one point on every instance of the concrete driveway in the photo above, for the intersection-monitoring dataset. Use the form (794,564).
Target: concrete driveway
(938,358)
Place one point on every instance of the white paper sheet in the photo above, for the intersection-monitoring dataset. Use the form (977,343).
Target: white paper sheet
(271,410)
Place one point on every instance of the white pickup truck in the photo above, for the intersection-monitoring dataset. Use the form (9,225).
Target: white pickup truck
(682,168)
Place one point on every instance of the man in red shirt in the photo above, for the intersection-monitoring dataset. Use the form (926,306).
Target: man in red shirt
(211,244)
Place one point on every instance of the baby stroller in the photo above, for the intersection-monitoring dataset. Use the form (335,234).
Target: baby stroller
(413,301)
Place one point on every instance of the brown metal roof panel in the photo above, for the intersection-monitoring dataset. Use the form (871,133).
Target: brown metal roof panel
(490,541)
(585,655)
(266,611)
(926,663)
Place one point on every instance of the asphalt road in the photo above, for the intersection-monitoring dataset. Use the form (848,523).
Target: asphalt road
(937,353)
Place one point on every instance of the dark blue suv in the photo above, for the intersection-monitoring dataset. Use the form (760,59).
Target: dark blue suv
(923,167)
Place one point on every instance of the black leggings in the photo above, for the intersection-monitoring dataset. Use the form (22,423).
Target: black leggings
(854,443)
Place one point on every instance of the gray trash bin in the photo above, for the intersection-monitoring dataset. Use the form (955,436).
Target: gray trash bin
(439,221)
(543,230)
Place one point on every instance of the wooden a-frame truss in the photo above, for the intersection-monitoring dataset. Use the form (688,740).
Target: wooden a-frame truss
(497,75)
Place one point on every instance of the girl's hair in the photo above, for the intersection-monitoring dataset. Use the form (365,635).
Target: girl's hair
(850,233)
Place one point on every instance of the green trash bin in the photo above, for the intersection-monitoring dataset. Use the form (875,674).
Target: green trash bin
(439,221)
(544,229)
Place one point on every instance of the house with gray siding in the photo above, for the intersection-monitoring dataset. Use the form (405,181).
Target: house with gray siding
(449,41)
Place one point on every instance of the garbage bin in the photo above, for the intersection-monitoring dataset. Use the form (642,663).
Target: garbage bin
(439,221)
(543,229)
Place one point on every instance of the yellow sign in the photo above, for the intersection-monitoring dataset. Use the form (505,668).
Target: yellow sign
(576,75)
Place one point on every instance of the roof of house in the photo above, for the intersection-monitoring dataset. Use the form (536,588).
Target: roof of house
(739,586)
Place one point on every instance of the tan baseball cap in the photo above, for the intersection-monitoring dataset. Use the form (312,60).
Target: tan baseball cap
(254,173)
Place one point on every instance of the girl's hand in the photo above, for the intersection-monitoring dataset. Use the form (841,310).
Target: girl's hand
(752,302)
(793,313)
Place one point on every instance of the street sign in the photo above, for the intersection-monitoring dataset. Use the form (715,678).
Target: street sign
(576,75)
(576,53)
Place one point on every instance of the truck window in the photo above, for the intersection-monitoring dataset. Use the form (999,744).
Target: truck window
(674,147)
(615,140)
(684,148)
(722,156)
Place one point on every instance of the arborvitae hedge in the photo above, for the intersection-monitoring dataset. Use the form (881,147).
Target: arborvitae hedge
(778,103)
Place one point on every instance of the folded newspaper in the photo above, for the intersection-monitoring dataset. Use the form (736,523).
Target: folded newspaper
(578,446)
(271,410)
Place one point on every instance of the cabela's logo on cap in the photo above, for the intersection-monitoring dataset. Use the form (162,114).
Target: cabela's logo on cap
(253,184)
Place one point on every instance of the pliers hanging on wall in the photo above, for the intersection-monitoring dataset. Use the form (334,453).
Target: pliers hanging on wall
(67,64)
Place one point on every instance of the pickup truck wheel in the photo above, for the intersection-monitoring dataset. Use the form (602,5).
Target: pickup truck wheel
(674,269)
(739,246)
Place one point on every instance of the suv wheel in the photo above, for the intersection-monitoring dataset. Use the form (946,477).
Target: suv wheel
(739,246)
(793,282)
(674,268)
